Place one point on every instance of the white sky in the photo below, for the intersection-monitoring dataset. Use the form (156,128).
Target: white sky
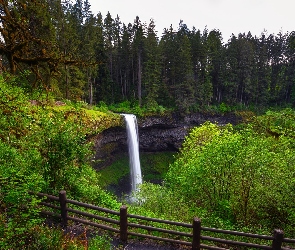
(229,16)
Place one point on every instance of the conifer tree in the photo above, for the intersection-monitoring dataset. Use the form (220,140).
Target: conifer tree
(278,66)
(289,94)
(109,47)
(184,91)
(178,72)
(151,67)
(231,71)
(202,68)
(138,43)
(103,82)
(215,55)
(168,49)
(90,34)
(126,61)
(263,71)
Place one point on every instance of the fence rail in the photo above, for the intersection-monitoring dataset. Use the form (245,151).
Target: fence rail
(122,226)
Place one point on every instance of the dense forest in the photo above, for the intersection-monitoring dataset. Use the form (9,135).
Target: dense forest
(63,47)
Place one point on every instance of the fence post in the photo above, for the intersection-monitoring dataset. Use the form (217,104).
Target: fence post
(123,223)
(196,234)
(63,207)
(278,236)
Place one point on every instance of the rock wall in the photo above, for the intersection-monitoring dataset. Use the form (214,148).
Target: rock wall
(156,133)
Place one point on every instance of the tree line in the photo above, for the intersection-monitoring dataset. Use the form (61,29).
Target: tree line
(60,45)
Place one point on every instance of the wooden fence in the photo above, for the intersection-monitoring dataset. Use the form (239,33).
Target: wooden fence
(196,238)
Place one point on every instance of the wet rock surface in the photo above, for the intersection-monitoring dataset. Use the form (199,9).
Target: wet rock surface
(156,133)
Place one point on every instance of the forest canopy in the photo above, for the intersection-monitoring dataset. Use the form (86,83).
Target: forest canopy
(63,47)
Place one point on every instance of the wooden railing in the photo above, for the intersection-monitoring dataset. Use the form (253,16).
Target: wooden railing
(191,235)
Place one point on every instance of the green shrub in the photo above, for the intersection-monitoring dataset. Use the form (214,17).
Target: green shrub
(43,148)
(17,208)
(242,176)
(99,243)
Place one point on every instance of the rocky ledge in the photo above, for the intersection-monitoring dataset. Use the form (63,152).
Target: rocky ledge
(156,133)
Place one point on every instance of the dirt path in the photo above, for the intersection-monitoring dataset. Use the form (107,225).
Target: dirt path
(146,245)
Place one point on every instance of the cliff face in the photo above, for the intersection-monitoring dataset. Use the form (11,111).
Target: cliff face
(156,133)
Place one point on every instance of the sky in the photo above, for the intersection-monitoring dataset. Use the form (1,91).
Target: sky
(228,16)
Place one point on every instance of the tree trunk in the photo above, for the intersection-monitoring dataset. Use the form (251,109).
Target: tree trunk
(139,79)
(67,82)
(90,91)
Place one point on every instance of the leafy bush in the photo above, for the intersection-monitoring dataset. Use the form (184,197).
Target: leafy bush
(44,237)
(240,176)
(223,108)
(277,123)
(135,108)
(17,208)
(43,148)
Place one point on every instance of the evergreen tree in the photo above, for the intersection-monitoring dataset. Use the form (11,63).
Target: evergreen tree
(117,38)
(289,94)
(86,10)
(109,47)
(169,58)
(263,71)
(77,12)
(245,70)
(240,65)
(125,67)
(151,67)
(70,44)
(84,57)
(138,43)
(103,83)
(184,92)
(278,66)
(91,33)
(178,74)
(203,87)
(204,91)
(214,61)
(231,71)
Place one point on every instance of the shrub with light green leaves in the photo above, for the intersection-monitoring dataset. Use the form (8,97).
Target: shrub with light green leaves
(43,148)
(17,208)
(244,177)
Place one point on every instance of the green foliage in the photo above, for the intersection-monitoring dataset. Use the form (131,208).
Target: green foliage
(230,178)
(81,56)
(134,108)
(277,123)
(223,108)
(63,151)
(155,165)
(100,243)
(115,172)
(44,237)
(102,106)
(242,177)
(161,202)
(43,148)
(17,208)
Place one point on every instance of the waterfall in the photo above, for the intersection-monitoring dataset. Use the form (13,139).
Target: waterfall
(133,148)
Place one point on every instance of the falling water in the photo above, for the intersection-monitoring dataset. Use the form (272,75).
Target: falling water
(133,148)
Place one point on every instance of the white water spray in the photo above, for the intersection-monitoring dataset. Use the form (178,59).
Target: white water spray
(133,148)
